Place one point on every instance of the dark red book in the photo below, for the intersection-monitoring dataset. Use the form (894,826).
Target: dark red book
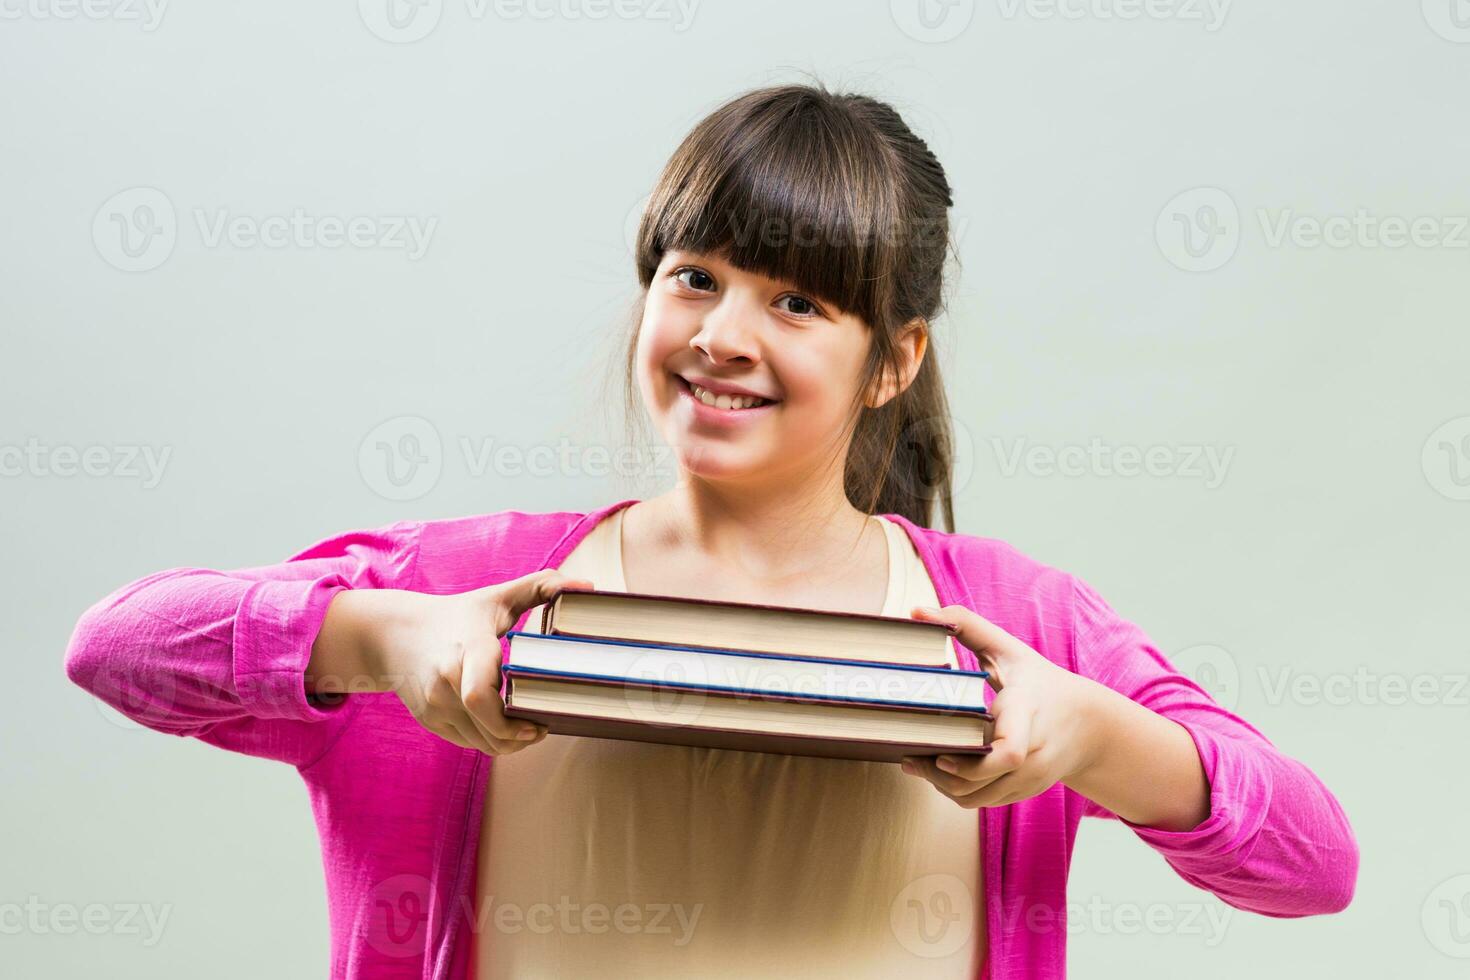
(757,627)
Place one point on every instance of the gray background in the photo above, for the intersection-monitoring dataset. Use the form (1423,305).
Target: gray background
(1334,376)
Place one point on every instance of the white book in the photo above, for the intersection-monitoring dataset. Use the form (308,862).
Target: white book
(744,672)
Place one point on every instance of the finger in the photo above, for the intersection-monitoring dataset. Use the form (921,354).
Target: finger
(1010,743)
(515,742)
(990,644)
(1010,788)
(949,784)
(471,735)
(499,746)
(449,733)
(478,687)
(1009,749)
(453,722)
(505,746)
(520,594)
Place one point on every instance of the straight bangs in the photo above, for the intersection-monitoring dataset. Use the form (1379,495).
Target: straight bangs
(791,191)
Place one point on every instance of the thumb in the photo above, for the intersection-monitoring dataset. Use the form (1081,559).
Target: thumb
(993,647)
(520,594)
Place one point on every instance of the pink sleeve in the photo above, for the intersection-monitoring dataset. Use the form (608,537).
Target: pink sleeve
(1276,842)
(221,656)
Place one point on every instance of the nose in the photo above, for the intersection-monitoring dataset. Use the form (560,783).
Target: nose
(725,334)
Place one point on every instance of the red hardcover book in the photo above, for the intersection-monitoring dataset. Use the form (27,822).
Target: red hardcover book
(721,624)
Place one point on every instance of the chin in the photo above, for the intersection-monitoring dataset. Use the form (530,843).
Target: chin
(716,463)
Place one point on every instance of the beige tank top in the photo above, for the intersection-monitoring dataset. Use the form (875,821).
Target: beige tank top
(627,859)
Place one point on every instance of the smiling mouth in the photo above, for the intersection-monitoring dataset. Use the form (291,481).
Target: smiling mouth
(723,403)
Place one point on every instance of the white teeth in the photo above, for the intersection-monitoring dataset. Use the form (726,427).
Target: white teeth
(724,401)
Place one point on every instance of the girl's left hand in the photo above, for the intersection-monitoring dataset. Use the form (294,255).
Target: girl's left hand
(1042,712)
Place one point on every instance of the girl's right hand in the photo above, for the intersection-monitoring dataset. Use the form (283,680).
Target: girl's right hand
(441,654)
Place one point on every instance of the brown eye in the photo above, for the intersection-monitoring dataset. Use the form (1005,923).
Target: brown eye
(698,279)
(802,307)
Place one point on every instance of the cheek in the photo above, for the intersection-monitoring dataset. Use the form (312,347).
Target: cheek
(658,340)
(822,381)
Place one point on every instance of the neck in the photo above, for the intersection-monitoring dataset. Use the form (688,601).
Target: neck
(770,534)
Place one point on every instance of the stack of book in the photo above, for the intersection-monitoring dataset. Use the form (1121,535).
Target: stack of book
(744,676)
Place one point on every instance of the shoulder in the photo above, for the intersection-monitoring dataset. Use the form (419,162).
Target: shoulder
(461,553)
(1023,595)
(993,568)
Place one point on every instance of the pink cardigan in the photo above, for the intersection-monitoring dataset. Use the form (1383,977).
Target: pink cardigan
(220,655)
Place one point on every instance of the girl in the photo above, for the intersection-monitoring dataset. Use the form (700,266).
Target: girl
(791,261)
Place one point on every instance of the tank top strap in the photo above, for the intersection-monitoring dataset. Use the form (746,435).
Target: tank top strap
(898,568)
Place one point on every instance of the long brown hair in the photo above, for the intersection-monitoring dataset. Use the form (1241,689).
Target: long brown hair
(836,195)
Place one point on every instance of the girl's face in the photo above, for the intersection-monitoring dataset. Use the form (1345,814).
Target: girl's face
(709,325)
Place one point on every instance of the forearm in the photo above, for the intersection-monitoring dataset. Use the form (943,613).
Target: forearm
(1145,767)
(346,655)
